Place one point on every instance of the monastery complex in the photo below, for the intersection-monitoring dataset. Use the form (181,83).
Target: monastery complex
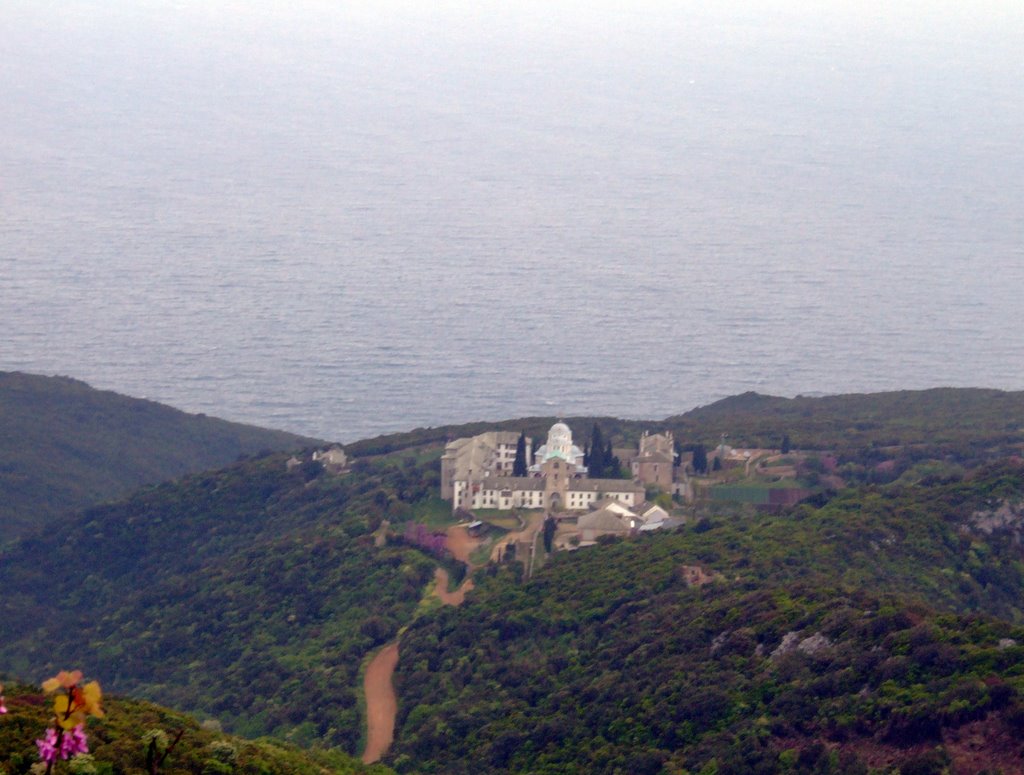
(476,473)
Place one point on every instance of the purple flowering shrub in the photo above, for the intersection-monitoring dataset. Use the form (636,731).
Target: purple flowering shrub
(425,538)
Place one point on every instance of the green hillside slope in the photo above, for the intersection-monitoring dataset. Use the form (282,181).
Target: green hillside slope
(955,417)
(255,594)
(962,417)
(825,638)
(116,742)
(592,669)
(65,446)
(251,594)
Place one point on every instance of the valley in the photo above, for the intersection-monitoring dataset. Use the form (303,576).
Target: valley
(876,626)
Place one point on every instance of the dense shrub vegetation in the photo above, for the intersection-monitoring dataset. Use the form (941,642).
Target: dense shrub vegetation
(814,630)
(118,747)
(584,677)
(250,594)
(877,627)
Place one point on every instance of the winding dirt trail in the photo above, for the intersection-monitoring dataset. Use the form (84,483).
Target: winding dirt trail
(458,597)
(381,700)
(381,703)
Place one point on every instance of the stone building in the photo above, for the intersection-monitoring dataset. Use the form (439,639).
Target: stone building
(605,522)
(474,474)
(654,462)
(469,460)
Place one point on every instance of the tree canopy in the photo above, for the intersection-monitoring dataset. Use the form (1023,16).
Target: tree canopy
(520,464)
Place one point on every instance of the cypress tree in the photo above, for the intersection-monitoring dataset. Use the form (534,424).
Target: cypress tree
(519,465)
(595,459)
(549,532)
(700,459)
(611,463)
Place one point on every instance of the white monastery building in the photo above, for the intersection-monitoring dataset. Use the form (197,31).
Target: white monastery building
(476,474)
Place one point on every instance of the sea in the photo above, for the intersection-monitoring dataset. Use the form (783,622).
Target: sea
(350,218)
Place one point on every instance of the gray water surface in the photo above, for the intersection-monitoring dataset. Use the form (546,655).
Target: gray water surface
(348,218)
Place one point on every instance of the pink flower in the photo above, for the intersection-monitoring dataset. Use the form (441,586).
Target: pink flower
(47,746)
(71,743)
(74,743)
(3,708)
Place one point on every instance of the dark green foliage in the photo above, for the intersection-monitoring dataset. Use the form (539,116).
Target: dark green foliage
(594,454)
(958,417)
(259,583)
(550,525)
(116,742)
(65,446)
(249,594)
(786,446)
(700,459)
(598,457)
(520,464)
(613,466)
(607,661)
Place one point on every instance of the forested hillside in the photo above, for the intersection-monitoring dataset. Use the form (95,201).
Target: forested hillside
(945,419)
(878,627)
(832,625)
(251,594)
(65,446)
(941,418)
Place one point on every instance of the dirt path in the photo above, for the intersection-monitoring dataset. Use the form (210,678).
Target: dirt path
(535,524)
(441,588)
(381,703)
(460,543)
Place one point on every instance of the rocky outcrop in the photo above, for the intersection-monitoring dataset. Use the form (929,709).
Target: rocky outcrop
(1006,516)
(696,576)
(791,641)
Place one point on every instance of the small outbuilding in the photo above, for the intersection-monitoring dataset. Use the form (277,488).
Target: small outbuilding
(604,522)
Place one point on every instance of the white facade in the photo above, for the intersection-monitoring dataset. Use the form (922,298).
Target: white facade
(559,446)
(508,493)
(475,474)
(497,493)
(581,500)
